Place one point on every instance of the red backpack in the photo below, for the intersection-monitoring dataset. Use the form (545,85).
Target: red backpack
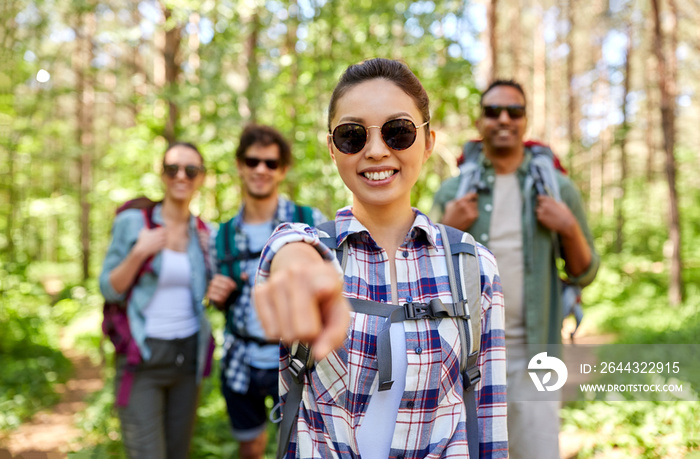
(115,322)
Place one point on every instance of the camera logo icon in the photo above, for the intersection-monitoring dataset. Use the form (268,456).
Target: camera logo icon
(542,361)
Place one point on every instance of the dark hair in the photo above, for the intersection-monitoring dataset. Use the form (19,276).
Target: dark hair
(394,71)
(183,144)
(263,135)
(496,83)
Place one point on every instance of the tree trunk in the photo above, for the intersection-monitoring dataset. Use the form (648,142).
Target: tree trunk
(193,60)
(9,139)
(650,122)
(491,27)
(620,220)
(172,59)
(253,89)
(291,45)
(85,107)
(667,85)
(539,80)
(516,39)
(139,79)
(571,105)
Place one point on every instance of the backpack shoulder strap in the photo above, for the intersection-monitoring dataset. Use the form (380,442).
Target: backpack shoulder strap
(226,250)
(543,171)
(204,244)
(469,168)
(463,254)
(303,214)
(300,356)
(465,283)
(331,242)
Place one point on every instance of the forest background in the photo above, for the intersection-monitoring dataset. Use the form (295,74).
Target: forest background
(92,92)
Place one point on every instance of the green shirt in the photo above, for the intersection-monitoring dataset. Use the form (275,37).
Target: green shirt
(542,302)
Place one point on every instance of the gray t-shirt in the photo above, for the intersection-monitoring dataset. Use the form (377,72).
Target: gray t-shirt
(506,243)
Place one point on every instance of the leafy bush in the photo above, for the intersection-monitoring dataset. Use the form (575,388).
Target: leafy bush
(31,363)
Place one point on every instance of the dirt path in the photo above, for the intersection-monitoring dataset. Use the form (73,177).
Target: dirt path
(50,434)
(570,443)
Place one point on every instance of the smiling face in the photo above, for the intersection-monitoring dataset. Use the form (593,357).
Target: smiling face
(261,182)
(378,175)
(180,187)
(502,135)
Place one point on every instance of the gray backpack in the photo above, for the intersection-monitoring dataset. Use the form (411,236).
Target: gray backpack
(461,257)
(542,177)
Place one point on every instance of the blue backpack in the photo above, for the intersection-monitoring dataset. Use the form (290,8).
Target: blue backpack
(543,167)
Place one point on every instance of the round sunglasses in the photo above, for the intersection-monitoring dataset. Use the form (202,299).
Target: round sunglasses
(398,134)
(191,171)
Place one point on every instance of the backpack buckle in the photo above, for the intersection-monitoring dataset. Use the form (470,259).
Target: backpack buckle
(471,377)
(300,361)
(417,310)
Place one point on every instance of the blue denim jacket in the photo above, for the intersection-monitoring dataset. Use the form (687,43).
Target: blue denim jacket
(125,232)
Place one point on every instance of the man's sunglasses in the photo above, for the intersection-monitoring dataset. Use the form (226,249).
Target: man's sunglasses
(271,164)
(494,111)
(398,134)
(191,171)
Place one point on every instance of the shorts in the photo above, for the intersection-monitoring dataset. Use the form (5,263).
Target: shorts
(248,412)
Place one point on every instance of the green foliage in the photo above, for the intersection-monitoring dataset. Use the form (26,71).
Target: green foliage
(628,299)
(285,80)
(31,364)
(645,430)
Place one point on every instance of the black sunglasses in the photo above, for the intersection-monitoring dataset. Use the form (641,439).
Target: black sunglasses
(271,164)
(494,111)
(398,134)
(191,171)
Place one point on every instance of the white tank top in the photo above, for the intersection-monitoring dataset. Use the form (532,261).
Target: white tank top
(169,314)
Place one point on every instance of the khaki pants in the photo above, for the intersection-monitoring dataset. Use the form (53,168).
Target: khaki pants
(158,421)
(533,426)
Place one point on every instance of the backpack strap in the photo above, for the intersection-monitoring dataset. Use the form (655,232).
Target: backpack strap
(543,172)
(331,242)
(469,170)
(463,254)
(202,228)
(303,214)
(544,179)
(300,357)
(131,350)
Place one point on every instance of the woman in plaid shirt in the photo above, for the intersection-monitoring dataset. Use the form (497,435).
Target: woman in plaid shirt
(395,255)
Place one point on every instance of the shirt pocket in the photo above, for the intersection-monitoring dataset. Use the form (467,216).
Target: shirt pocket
(329,379)
(344,379)
(451,386)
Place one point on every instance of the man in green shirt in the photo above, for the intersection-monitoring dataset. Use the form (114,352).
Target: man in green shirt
(505,212)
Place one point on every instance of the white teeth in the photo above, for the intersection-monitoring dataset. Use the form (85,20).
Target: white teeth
(378,175)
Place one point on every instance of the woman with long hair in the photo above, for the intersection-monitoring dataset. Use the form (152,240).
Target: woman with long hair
(156,268)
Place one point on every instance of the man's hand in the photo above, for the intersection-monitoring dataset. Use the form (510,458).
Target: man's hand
(555,215)
(220,288)
(149,242)
(461,213)
(303,300)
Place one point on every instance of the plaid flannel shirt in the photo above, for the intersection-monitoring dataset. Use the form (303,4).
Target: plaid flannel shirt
(235,363)
(431,421)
